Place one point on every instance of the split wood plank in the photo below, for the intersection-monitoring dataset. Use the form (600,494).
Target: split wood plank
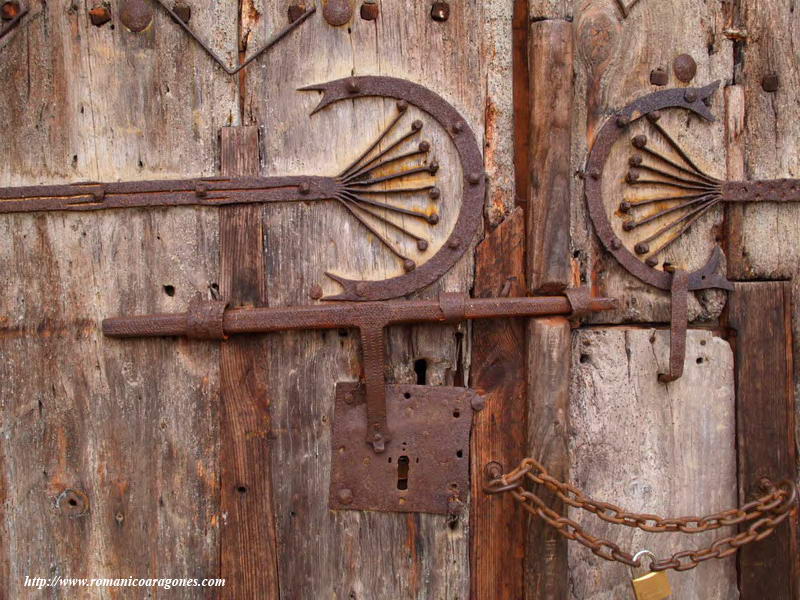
(615,58)
(248,548)
(497,546)
(362,554)
(132,425)
(550,57)
(759,315)
(652,448)
(548,393)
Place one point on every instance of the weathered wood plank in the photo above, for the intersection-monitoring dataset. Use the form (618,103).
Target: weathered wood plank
(548,395)
(652,448)
(248,543)
(615,58)
(759,315)
(497,547)
(550,57)
(132,425)
(735,170)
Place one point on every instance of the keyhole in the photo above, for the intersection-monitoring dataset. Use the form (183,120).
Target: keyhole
(402,473)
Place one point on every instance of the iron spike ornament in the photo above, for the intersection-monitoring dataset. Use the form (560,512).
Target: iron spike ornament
(672,194)
(360,187)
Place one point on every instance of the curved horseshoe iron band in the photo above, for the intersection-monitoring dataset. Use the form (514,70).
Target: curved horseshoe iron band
(697,194)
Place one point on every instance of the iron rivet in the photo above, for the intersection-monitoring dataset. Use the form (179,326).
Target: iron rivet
(201,190)
(639,141)
(361,289)
(458,127)
(352,86)
(369,10)
(685,67)
(641,248)
(349,397)
(659,76)
(422,245)
(454,244)
(616,244)
(434,193)
(416,125)
(99,15)
(99,195)
(136,15)
(654,116)
(624,206)
(9,10)
(183,10)
(316,292)
(629,225)
(402,105)
(295,12)
(690,96)
(440,12)
(345,496)
(651,262)
(635,160)
(633,175)
(770,83)
(474,178)
(424,146)
(304,189)
(493,470)
(433,167)
(478,402)
(433,219)
(409,265)
(623,121)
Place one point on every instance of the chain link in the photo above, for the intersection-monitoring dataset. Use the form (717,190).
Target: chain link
(765,513)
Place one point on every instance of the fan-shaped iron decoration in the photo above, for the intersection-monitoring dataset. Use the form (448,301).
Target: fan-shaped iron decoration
(680,194)
(359,188)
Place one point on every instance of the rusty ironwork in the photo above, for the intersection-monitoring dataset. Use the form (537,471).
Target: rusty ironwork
(178,15)
(359,188)
(426,470)
(679,323)
(337,12)
(211,320)
(12,16)
(757,519)
(684,67)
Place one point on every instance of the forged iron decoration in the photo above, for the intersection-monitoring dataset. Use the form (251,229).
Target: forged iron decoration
(672,193)
(370,197)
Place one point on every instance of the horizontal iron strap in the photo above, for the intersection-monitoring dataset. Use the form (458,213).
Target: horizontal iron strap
(767,190)
(259,320)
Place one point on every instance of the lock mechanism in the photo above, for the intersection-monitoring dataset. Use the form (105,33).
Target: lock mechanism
(652,586)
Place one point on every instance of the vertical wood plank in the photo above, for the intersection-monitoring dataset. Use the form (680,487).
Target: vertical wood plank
(550,57)
(759,315)
(521,101)
(548,394)
(248,548)
(735,170)
(497,538)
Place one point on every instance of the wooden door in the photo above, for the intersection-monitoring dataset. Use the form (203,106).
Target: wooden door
(172,458)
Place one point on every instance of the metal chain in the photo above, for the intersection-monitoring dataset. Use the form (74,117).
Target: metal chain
(767,513)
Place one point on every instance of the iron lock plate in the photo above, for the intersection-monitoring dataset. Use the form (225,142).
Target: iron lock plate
(425,468)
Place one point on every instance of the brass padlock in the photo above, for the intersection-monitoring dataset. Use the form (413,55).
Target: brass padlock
(652,586)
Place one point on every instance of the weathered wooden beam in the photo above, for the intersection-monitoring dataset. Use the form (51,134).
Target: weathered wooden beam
(735,170)
(247,531)
(759,315)
(550,55)
(497,535)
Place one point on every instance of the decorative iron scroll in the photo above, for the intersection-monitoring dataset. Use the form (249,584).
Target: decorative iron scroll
(358,188)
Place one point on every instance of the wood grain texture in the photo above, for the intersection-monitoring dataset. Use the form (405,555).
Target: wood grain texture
(734,212)
(653,448)
(614,61)
(759,314)
(352,554)
(548,396)
(132,425)
(497,547)
(550,56)
(248,544)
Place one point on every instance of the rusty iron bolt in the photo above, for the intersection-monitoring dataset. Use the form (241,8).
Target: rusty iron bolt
(454,244)
(635,160)
(654,116)
(201,190)
(690,96)
(651,262)
(639,141)
(316,292)
(770,83)
(409,265)
(295,12)
(493,470)
(370,10)
(136,15)
(304,189)
(9,10)
(422,245)
(434,193)
(402,105)
(685,67)
(345,496)
(474,178)
(616,244)
(352,86)
(623,121)
(659,76)
(183,11)
(99,15)
(440,11)
(424,146)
